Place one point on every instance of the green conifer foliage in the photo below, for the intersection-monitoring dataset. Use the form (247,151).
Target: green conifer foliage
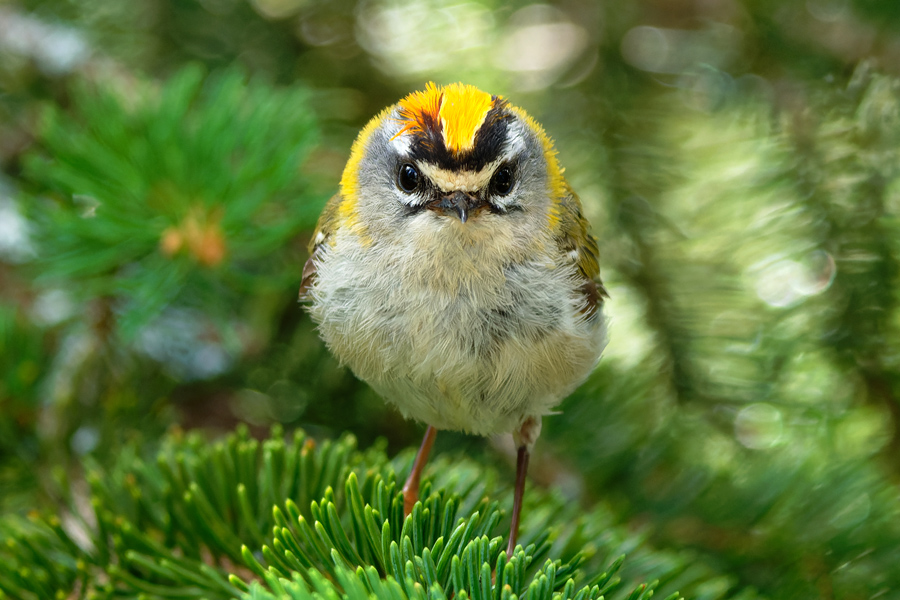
(184,194)
(290,518)
(22,360)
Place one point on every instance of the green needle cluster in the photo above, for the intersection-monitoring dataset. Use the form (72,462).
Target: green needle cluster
(290,518)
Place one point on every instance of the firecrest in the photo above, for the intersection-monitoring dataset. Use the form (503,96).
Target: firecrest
(454,271)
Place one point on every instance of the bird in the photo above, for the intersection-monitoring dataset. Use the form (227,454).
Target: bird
(455,272)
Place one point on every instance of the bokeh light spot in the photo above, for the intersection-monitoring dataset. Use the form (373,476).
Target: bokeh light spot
(539,44)
(410,39)
(661,50)
(758,426)
(783,283)
(15,240)
(278,9)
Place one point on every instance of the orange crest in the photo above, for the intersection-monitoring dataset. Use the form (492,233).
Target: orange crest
(458,111)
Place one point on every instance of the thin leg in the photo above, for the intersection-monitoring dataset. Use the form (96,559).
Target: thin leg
(521,470)
(411,487)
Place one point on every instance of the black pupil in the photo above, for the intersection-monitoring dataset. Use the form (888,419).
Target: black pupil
(502,181)
(408,178)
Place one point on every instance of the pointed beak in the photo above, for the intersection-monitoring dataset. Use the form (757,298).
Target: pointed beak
(459,203)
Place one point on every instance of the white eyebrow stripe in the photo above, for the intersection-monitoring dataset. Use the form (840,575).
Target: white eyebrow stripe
(515,140)
(451,181)
(402,144)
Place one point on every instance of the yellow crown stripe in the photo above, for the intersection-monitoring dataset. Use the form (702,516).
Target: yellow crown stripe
(462,113)
(459,110)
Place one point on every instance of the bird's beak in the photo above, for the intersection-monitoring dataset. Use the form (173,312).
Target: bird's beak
(459,203)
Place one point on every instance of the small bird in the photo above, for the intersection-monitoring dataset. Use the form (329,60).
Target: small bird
(455,274)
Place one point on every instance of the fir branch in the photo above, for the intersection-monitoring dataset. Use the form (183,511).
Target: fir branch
(173,196)
(183,524)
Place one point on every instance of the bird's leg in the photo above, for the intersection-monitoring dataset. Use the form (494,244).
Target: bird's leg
(524,438)
(521,470)
(411,487)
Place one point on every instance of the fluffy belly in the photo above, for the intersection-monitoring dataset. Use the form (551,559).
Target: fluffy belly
(478,355)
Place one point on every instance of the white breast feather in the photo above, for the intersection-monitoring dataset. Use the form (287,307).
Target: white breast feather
(467,342)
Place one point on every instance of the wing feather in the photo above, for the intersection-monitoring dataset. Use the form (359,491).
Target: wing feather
(320,240)
(579,246)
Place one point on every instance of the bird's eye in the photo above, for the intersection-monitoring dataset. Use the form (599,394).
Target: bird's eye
(502,181)
(408,178)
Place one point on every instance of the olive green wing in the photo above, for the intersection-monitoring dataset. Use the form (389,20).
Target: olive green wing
(580,247)
(324,229)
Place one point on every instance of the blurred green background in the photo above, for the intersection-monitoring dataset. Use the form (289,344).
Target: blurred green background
(163,162)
